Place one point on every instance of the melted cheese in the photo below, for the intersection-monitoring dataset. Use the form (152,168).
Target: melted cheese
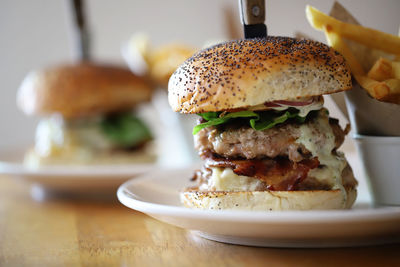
(303,110)
(334,164)
(224,179)
(55,136)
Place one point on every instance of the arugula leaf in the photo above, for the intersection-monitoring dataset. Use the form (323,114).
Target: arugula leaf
(301,119)
(259,121)
(267,121)
(241,114)
(214,119)
(209,115)
(125,129)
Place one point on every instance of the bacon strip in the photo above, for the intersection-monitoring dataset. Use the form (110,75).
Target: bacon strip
(278,174)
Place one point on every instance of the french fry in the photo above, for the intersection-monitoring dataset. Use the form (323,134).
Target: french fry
(141,43)
(156,63)
(397,58)
(382,82)
(382,70)
(396,69)
(335,41)
(394,87)
(381,90)
(370,37)
(388,91)
(378,90)
(165,59)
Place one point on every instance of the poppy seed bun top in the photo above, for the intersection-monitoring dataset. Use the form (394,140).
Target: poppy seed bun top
(80,90)
(243,73)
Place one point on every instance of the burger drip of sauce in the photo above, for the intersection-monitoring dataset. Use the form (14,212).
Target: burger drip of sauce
(279,174)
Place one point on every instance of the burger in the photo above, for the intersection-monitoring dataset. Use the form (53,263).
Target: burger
(87,115)
(266,140)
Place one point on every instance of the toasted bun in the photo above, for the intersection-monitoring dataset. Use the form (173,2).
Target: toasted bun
(81,90)
(244,73)
(269,200)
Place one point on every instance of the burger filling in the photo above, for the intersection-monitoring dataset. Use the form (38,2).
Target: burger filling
(287,146)
(86,137)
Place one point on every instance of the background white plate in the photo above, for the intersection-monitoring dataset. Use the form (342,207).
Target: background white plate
(157,194)
(172,148)
(70,178)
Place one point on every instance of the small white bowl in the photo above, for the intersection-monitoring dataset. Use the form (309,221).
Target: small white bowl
(380,158)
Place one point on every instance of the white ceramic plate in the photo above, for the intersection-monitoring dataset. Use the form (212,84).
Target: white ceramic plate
(69,178)
(157,194)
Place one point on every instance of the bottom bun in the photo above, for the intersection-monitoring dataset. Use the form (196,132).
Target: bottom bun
(269,200)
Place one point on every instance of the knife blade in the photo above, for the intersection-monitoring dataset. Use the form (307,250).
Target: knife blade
(252,15)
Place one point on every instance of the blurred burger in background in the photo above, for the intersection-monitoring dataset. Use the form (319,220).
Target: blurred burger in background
(88,115)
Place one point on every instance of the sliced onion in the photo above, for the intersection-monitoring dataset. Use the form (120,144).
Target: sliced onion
(271,104)
(286,103)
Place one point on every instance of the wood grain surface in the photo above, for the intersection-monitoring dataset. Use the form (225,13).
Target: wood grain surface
(77,232)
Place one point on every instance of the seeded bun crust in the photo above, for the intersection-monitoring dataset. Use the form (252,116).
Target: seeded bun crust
(269,200)
(81,90)
(243,73)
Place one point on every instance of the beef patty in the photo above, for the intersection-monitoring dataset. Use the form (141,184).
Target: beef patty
(233,141)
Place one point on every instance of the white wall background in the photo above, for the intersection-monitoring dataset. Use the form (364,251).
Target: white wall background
(37,33)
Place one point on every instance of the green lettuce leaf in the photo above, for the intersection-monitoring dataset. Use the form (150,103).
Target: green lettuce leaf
(209,115)
(261,120)
(214,119)
(268,120)
(125,130)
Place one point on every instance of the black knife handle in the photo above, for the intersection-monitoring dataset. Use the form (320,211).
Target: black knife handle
(255,30)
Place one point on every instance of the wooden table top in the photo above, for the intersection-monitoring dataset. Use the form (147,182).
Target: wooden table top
(65,232)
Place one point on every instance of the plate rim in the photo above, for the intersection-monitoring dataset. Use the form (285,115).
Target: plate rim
(87,171)
(372,214)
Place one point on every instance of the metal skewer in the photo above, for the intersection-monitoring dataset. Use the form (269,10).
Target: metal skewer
(82,33)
